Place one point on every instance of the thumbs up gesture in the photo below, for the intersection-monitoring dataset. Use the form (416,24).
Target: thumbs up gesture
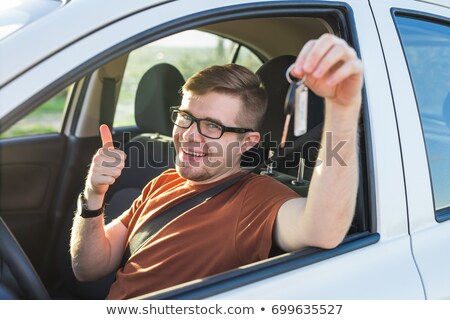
(106,167)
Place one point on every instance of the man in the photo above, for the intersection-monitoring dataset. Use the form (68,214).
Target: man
(238,225)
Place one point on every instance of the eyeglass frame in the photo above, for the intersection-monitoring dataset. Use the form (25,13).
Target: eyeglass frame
(197,121)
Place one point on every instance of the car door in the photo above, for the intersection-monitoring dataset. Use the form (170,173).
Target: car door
(31,159)
(360,267)
(416,38)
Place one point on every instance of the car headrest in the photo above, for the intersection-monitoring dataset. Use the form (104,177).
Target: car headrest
(158,90)
(273,76)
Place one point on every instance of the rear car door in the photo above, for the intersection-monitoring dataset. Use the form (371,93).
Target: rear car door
(416,39)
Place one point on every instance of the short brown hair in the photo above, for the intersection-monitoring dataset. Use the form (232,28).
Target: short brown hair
(234,80)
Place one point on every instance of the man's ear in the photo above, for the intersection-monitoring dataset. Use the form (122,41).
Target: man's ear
(250,140)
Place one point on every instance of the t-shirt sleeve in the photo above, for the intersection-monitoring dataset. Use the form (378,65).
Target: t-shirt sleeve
(264,196)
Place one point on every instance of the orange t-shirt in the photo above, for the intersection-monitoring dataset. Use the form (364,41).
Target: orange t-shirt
(232,229)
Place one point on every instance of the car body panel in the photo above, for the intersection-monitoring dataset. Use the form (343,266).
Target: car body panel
(18,14)
(384,270)
(430,239)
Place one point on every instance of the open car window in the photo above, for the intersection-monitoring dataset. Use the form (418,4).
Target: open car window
(106,92)
(189,60)
(189,51)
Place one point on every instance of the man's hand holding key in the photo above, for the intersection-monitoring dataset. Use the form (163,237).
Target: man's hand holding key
(106,167)
(331,69)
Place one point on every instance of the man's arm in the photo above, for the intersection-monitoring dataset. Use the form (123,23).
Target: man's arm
(97,250)
(332,70)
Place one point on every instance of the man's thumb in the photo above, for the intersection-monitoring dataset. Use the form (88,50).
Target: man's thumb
(106,136)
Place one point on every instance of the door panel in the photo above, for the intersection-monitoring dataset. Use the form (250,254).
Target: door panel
(29,169)
(30,179)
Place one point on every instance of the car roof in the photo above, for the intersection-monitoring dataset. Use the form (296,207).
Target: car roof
(443,3)
(79,18)
(15,14)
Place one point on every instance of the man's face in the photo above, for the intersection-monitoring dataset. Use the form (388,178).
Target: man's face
(202,159)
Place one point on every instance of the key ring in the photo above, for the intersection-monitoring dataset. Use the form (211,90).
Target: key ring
(289,77)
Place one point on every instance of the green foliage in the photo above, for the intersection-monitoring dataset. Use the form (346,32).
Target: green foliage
(45,119)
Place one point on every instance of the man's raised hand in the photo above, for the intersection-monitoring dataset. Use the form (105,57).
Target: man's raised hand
(106,167)
(331,68)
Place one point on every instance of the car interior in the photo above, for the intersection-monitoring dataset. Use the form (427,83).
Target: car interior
(274,41)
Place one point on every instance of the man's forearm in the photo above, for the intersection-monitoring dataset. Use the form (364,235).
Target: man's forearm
(89,248)
(332,193)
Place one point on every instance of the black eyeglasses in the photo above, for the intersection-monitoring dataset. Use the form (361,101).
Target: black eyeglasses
(207,128)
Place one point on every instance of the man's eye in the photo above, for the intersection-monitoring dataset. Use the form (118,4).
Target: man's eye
(212,125)
(184,116)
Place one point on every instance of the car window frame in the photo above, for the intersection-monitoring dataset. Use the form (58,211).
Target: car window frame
(280,264)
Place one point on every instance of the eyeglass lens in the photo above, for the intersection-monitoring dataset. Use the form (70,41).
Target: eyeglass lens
(205,127)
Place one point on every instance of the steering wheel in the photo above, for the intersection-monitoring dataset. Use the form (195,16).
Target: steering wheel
(21,268)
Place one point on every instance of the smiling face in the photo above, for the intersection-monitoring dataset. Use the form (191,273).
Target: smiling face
(204,160)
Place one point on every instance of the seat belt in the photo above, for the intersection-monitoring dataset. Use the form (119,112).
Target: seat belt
(107,101)
(151,227)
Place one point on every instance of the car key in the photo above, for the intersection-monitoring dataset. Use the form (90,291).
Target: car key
(301,109)
(296,103)
(288,110)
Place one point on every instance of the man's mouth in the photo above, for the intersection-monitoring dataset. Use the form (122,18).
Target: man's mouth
(193,153)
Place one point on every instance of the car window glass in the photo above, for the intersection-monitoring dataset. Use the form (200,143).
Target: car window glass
(189,51)
(431,81)
(248,58)
(46,118)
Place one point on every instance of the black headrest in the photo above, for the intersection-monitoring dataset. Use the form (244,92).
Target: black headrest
(273,76)
(158,90)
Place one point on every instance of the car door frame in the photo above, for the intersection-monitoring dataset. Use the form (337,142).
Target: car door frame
(394,276)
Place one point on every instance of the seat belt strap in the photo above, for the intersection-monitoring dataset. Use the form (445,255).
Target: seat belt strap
(108,101)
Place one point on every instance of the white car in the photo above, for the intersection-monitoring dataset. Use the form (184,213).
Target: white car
(67,66)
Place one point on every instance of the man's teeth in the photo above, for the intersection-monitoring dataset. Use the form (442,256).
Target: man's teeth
(195,154)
